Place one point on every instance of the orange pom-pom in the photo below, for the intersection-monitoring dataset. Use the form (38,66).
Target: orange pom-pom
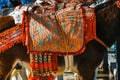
(30,77)
(45,65)
(32,65)
(49,64)
(36,65)
(41,65)
(51,77)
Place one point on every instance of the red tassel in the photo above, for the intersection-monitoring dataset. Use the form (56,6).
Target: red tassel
(32,65)
(49,64)
(51,77)
(37,78)
(41,65)
(45,65)
(54,62)
(36,65)
(42,78)
(30,77)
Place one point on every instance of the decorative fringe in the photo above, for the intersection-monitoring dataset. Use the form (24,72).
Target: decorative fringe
(41,77)
(42,66)
(10,37)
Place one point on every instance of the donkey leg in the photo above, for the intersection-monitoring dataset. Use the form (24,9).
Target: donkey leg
(23,74)
(66,63)
(69,63)
(72,65)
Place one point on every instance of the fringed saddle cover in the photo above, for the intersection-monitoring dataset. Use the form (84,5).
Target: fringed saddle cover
(65,31)
(49,33)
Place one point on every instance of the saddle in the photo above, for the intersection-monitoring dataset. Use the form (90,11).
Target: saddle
(49,33)
(63,32)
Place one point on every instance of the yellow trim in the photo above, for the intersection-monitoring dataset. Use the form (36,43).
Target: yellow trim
(101,42)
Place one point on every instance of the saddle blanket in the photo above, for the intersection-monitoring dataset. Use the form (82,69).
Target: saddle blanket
(64,31)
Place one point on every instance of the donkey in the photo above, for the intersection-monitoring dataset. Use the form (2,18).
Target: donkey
(107,22)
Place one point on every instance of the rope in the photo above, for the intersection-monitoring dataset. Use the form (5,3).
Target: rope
(101,42)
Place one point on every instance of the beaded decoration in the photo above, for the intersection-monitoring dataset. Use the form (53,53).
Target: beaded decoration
(41,66)
(41,63)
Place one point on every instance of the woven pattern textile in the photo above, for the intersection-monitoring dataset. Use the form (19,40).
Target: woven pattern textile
(60,32)
(9,37)
(50,33)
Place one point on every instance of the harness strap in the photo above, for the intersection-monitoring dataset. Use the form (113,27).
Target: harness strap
(102,43)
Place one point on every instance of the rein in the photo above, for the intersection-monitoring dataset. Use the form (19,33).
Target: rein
(102,43)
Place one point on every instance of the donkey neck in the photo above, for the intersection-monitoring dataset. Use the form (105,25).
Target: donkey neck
(108,21)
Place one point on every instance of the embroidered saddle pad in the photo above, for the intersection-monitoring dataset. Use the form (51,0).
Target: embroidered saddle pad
(58,32)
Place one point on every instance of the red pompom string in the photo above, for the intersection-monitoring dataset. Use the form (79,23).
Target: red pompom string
(45,65)
(54,62)
(42,66)
(36,60)
(51,77)
(30,77)
(36,65)
(49,64)
(32,65)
